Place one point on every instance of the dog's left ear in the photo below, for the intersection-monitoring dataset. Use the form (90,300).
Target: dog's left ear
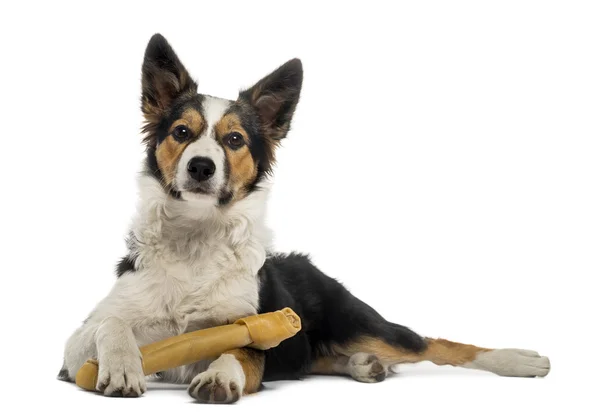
(275,98)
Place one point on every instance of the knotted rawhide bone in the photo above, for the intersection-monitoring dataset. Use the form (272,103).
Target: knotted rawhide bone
(261,331)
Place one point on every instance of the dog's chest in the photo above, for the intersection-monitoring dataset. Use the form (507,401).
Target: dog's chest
(215,285)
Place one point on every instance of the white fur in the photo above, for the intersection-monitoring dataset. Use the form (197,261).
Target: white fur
(120,368)
(197,267)
(365,368)
(512,363)
(226,372)
(205,146)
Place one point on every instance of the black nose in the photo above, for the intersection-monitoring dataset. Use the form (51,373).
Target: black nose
(201,168)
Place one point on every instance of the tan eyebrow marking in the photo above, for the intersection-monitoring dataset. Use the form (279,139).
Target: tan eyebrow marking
(192,119)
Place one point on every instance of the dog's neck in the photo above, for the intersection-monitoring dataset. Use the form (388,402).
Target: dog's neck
(183,229)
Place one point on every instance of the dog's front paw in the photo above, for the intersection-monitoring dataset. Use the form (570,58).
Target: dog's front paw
(214,386)
(121,376)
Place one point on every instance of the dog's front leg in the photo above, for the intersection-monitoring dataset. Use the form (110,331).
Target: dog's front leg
(80,347)
(234,373)
(112,342)
(120,362)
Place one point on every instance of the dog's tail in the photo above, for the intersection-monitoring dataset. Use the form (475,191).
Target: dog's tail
(395,344)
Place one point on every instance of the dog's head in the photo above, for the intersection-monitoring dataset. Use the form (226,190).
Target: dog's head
(203,147)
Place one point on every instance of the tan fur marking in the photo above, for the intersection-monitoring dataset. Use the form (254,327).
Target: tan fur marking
(242,168)
(324,365)
(167,156)
(229,123)
(445,352)
(253,364)
(192,119)
(330,365)
(170,150)
(439,351)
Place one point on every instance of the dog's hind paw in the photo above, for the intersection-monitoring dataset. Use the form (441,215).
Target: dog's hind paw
(366,368)
(512,363)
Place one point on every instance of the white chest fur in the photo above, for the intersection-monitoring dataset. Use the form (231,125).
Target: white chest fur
(192,272)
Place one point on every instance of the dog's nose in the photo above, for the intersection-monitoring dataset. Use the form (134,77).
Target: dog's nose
(201,168)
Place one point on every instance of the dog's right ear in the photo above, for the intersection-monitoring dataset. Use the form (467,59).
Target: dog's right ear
(163,79)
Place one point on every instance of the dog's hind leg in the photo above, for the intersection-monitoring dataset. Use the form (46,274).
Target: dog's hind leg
(353,328)
(362,366)
(505,362)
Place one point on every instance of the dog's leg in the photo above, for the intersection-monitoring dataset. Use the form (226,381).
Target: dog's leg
(112,342)
(506,362)
(234,373)
(361,366)
(120,372)
(80,347)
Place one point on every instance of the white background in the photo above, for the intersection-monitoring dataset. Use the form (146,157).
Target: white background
(444,164)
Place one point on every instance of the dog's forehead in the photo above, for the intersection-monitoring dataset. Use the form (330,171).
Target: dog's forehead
(214,108)
(209,109)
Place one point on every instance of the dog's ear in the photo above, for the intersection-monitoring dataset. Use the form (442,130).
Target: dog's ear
(275,98)
(163,79)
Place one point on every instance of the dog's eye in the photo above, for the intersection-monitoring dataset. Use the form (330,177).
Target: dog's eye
(234,140)
(181,133)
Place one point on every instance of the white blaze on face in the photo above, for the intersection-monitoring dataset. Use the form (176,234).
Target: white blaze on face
(206,146)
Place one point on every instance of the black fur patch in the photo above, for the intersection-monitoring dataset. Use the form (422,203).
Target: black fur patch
(330,315)
(152,164)
(275,97)
(125,265)
(63,374)
(164,79)
(225,199)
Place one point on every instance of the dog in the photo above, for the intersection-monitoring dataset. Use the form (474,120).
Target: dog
(199,256)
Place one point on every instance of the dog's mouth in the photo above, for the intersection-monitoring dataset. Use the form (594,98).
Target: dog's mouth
(223,197)
(196,192)
(200,190)
(197,188)
(201,193)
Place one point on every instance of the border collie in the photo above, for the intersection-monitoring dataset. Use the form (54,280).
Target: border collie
(199,256)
